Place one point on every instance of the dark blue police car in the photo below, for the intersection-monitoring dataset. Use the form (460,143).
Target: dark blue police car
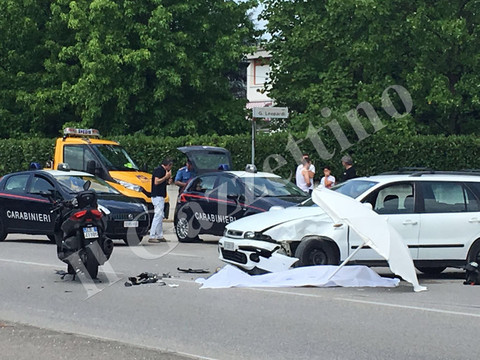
(25,208)
(212,200)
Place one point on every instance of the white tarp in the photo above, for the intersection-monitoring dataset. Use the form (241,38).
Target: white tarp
(319,276)
(374,230)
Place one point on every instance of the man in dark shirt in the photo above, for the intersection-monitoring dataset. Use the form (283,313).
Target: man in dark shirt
(161,177)
(350,172)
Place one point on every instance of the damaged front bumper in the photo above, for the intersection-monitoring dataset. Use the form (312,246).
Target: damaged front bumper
(250,254)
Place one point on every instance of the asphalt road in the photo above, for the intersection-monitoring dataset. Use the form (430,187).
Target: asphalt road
(43,316)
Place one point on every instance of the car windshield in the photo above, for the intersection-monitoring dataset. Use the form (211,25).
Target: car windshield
(272,186)
(74,184)
(114,157)
(354,188)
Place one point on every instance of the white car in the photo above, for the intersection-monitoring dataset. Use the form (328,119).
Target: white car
(436,213)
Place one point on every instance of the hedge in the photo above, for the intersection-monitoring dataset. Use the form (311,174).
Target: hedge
(377,153)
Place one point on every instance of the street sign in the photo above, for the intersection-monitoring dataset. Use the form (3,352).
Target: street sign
(270,112)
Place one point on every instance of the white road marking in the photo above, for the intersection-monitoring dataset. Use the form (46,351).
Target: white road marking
(293,293)
(30,263)
(411,307)
(47,265)
(367,302)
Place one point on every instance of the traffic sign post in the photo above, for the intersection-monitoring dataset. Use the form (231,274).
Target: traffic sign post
(266,113)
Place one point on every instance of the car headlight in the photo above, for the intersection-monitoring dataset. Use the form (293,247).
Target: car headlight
(257,236)
(129,185)
(249,235)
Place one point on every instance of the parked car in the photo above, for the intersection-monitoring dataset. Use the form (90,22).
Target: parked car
(212,200)
(436,213)
(26,200)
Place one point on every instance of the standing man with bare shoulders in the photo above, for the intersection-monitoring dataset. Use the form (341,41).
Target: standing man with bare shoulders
(299,178)
(162,176)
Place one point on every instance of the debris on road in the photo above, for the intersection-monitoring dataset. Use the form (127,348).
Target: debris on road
(143,278)
(194,271)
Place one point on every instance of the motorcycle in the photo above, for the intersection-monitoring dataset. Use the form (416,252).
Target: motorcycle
(79,233)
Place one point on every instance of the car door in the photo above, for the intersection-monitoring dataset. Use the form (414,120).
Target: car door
(24,212)
(201,202)
(41,205)
(396,203)
(450,219)
(13,201)
(230,206)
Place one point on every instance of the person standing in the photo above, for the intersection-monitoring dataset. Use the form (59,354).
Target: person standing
(299,176)
(161,177)
(350,172)
(303,177)
(328,180)
(184,175)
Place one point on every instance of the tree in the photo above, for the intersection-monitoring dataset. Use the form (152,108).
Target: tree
(155,66)
(338,54)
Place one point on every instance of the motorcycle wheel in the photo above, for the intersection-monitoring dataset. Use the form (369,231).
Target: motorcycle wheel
(91,265)
(70,269)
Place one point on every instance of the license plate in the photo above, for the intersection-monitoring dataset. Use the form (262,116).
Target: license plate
(90,232)
(228,245)
(130,224)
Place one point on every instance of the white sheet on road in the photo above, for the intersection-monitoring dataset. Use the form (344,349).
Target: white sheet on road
(348,276)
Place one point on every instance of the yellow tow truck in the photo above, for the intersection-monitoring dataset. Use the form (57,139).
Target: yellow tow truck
(85,150)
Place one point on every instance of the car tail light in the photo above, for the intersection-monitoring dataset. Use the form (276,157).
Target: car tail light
(96,213)
(78,215)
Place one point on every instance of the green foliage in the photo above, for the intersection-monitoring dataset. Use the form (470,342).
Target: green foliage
(340,53)
(157,67)
(379,152)
(16,155)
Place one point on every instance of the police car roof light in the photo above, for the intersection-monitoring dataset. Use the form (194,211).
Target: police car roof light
(81,132)
(35,166)
(251,168)
(63,167)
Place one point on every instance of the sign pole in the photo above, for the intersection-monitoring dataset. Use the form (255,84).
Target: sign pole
(265,113)
(254,130)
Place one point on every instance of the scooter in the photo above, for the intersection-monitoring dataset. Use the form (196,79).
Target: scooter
(79,233)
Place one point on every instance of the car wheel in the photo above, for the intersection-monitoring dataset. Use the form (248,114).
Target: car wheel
(3,231)
(474,253)
(315,251)
(431,270)
(184,229)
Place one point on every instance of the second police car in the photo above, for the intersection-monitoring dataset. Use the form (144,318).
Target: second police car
(437,214)
(212,200)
